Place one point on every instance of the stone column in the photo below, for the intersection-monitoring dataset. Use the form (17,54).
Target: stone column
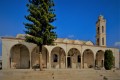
(59,58)
(81,62)
(66,57)
(10,61)
(30,61)
(50,61)
(66,62)
(47,60)
(94,61)
(103,63)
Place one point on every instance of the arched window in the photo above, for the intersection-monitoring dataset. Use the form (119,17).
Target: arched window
(102,41)
(98,41)
(55,58)
(102,29)
(98,30)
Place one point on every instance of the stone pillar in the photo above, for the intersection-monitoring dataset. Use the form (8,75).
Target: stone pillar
(47,62)
(94,61)
(103,63)
(59,58)
(30,61)
(66,62)
(66,56)
(50,61)
(81,62)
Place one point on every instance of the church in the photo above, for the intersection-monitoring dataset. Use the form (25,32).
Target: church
(65,54)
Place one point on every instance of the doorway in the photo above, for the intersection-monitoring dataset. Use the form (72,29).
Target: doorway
(20,57)
(69,62)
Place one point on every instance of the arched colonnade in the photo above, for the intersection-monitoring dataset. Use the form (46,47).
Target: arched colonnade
(57,58)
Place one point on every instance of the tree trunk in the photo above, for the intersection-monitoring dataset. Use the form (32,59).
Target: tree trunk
(40,58)
(40,61)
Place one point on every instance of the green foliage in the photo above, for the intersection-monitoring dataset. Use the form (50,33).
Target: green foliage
(39,28)
(108,59)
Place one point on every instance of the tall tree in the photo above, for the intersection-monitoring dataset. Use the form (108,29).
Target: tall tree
(39,26)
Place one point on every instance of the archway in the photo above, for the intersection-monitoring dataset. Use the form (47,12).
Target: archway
(20,58)
(88,59)
(58,58)
(35,57)
(74,58)
(99,62)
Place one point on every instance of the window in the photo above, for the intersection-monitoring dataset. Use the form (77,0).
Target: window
(98,30)
(55,58)
(102,41)
(102,29)
(79,59)
(98,41)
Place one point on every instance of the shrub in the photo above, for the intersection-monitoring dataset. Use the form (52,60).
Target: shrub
(108,59)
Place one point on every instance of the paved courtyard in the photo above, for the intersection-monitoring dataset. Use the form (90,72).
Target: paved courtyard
(60,74)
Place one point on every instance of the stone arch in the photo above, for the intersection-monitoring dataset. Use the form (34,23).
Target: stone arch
(19,57)
(73,58)
(61,57)
(99,62)
(35,57)
(88,59)
(73,47)
(59,46)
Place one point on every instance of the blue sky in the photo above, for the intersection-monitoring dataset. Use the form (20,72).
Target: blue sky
(76,19)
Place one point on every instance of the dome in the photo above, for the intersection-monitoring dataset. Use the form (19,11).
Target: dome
(89,43)
(22,36)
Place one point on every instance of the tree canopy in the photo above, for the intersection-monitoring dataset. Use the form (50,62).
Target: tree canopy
(108,59)
(40,18)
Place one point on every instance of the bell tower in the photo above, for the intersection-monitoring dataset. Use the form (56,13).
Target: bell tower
(101,31)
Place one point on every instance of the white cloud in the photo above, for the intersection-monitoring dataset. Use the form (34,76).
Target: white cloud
(117,43)
(71,36)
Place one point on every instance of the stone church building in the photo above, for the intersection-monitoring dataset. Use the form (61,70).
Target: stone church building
(66,53)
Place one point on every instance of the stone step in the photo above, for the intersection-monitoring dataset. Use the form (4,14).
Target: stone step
(58,75)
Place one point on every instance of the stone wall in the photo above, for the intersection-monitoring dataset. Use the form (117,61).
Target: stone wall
(49,51)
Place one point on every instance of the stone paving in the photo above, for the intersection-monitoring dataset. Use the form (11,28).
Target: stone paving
(67,74)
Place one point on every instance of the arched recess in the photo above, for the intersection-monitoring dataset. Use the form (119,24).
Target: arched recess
(20,57)
(74,58)
(58,58)
(99,62)
(35,57)
(88,59)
